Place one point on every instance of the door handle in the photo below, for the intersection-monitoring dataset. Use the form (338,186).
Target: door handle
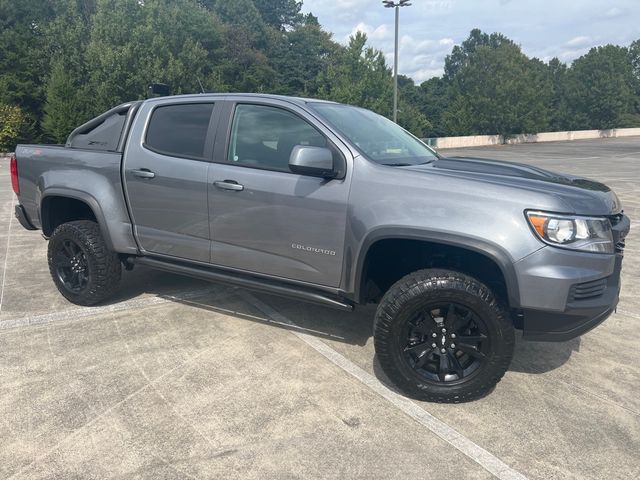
(143,173)
(229,185)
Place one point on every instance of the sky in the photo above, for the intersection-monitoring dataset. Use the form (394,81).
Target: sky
(429,29)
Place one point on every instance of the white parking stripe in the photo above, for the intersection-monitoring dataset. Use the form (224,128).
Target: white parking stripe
(6,253)
(482,457)
(84,312)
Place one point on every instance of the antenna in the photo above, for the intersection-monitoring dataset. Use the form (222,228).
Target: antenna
(201,87)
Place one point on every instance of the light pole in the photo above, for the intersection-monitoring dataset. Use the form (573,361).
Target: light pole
(392,4)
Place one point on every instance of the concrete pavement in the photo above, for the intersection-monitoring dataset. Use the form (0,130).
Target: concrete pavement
(177,378)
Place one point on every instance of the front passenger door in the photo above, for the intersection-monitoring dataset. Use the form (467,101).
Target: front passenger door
(266,219)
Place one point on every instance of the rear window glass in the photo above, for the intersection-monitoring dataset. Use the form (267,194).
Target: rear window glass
(179,130)
(104,136)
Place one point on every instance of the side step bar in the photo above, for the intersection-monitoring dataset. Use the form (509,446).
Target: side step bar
(220,276)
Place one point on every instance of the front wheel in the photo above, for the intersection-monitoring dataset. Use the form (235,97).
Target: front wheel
(442,336)
(82,267)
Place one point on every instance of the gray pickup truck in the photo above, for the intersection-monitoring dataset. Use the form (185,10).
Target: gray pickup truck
(331,204)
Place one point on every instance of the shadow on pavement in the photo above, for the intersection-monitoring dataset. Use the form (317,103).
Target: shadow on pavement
(353,328)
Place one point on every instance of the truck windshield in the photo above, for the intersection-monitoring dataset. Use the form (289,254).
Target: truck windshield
(377,138)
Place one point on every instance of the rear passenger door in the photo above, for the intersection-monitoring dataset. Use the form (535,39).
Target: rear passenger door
(264,218)
(165,177)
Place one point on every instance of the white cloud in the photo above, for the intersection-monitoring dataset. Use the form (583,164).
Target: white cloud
(579,41)
(381,32)
(430,28)
(613,12)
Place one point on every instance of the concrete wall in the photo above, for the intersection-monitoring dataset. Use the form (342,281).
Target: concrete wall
(469,141)
(483,140)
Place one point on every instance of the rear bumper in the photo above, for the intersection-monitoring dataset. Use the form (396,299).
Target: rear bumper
(568,293)
(22,217)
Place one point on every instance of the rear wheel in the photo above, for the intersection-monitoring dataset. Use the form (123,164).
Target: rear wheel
(82,267)
(442,336)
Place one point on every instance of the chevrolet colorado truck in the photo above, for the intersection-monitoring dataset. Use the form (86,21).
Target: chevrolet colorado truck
(331,204)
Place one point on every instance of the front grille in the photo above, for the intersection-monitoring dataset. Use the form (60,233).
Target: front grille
(583,291)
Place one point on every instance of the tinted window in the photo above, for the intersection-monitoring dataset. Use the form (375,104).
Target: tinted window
(179,130)
(104,136)
(264,136)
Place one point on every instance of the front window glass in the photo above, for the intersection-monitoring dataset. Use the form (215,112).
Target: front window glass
(263,137)
(377,137)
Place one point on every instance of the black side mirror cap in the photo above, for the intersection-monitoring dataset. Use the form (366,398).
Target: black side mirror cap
(312,161)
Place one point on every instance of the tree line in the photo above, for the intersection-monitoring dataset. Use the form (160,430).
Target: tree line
(63,62)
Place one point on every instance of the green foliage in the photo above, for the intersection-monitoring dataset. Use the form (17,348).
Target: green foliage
(280,14)
(65,61)
(433,101)
(14,124)
(65,104)
(600,88)
(497,89)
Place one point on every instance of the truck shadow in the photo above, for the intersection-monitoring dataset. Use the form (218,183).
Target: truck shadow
(541,357)
(354,328)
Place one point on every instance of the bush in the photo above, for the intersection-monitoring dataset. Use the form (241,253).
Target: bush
(13,123)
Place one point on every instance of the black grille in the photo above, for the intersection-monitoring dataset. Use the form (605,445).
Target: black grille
(582,291)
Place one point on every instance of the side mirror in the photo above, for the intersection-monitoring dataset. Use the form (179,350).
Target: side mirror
(312,161)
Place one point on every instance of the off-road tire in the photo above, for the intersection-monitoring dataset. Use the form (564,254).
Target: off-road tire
(103,266)
(417,291)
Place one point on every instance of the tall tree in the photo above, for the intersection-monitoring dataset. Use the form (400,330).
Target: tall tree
(433,100)
(601,88)
(280,14)
(64,109)
(135,43)
(23,58)
(461,54)
(498,90)
(560,114)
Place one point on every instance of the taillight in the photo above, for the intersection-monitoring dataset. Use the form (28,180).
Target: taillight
(14,175)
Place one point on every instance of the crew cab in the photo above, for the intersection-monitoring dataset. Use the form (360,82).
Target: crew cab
(332,204)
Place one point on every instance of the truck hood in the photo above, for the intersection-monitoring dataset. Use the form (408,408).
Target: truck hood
(583,196)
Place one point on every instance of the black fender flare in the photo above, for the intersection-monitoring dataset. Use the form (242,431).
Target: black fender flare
(84,197)
(490,250)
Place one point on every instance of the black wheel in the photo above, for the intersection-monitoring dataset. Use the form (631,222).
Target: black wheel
(82,267)
(442,336)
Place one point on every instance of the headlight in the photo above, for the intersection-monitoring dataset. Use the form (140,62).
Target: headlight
(589,234)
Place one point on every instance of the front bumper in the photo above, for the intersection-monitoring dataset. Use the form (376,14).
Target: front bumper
(565,294)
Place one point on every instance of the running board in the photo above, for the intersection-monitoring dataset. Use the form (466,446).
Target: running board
(219,276)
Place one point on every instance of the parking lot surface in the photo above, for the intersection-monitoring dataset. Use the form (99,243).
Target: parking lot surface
(177,378)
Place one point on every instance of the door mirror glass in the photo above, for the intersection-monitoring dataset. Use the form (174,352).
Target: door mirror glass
(313,161)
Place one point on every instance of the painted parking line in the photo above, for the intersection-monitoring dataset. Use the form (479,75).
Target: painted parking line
(85,312)
(6,253)
(482,457)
